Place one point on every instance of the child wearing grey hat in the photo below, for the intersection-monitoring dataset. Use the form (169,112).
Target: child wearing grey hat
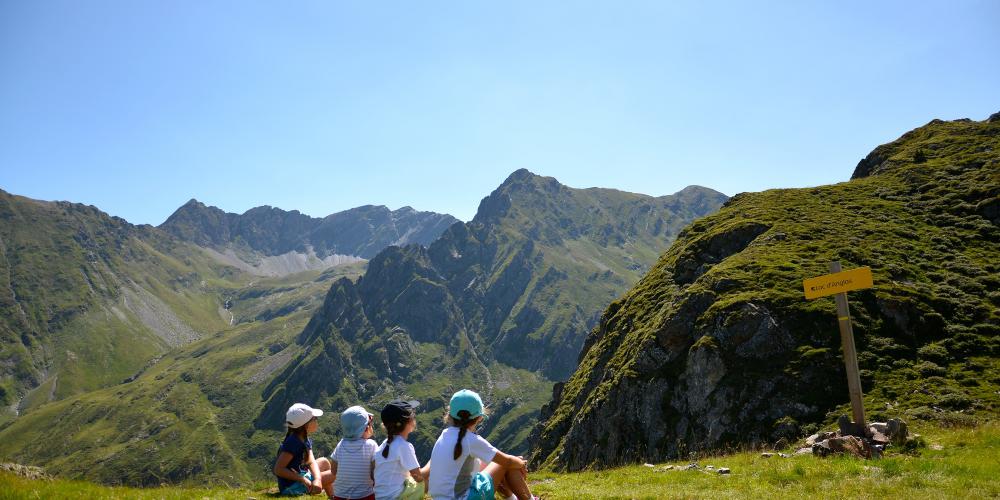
(352,458)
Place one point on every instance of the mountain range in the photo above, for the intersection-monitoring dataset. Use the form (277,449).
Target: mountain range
(502,303)
(273,242)
(88,300)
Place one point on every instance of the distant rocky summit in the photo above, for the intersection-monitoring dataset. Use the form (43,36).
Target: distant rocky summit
(271,241)
(716,345)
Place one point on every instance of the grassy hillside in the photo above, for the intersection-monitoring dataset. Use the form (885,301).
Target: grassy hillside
(959,463)
(716,345)
(87,300)
(186,416)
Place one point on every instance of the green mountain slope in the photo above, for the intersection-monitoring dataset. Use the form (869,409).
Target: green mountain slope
(716,345)
(186,417)
(86,299)
(501,304)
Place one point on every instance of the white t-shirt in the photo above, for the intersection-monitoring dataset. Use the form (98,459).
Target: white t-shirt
(392,471)
(354,462)
(450,478)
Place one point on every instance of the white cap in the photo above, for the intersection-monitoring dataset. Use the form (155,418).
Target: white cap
(299,414)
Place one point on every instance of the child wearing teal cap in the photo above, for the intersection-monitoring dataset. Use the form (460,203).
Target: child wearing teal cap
(456,472)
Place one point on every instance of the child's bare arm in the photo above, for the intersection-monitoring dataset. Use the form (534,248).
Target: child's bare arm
(281,468)
(510,461)
(417,474)
(317,483)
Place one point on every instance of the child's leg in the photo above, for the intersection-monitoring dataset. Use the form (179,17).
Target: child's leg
(502,489)
(326,473)
(508,481)
(498,474)
(517,481)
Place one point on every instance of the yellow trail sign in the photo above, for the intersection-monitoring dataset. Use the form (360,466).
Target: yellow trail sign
(830,284)
(838,284)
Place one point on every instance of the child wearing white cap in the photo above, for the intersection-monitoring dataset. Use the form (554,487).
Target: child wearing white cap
(352,458)
(297,469)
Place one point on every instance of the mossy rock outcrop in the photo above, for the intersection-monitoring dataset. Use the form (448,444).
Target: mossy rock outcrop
(716,345)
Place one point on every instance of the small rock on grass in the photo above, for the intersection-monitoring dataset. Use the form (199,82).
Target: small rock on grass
(804,451)
(936,447)
(648,465)
(766,455)
(785,455)
(723,470)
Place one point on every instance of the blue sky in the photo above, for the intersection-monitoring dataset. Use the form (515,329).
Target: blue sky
(138,106)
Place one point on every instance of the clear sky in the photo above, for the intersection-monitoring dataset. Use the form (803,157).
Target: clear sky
(137,106)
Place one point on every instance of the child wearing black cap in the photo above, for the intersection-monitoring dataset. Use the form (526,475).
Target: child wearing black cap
(397,470)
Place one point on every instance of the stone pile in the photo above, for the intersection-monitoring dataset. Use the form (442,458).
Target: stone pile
(25,471)
(869,442)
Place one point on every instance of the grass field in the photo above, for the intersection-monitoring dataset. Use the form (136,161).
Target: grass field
(958,463)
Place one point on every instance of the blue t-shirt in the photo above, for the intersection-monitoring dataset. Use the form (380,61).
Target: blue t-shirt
(292,444)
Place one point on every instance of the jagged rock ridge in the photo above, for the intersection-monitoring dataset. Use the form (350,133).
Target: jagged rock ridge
(518,286)
(269,231)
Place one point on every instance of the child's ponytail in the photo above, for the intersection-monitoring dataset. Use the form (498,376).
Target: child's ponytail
(385,449)
(462,422)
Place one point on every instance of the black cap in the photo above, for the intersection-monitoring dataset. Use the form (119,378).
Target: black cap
(397,411)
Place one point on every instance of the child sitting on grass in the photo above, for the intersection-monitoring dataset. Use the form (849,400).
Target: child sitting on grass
(455,470)
(352,458)
(397,470)
(297,470)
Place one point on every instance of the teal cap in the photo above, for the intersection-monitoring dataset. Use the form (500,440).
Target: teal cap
(465,400)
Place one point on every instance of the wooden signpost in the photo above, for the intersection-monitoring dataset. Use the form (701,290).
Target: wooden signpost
(838,284)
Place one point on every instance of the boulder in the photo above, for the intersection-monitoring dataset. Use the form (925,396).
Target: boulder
(879,427)
(849,428)
(843,444)
(879,438)
(897,431)
(820,436)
